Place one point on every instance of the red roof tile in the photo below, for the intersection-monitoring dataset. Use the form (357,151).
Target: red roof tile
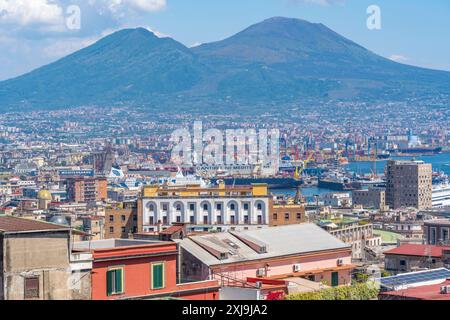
(430,292)
(419,250)
(172,230)
(13,224)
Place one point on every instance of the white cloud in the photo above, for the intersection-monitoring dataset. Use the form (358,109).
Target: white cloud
(26,12)
(398,58)
(146,5)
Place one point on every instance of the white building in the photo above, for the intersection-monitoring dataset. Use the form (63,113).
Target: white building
(213,208)
(440,196)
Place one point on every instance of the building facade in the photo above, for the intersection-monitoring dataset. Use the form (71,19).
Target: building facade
(371,198)
(281,214)
(121,222)
(409,184)
(212,208)
(359,237)
(87,189)
(437,232)
(34,259)
(233,257)
(414,257)
(132,269)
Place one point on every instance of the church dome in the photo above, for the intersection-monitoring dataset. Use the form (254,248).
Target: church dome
(59,220)
(44,195)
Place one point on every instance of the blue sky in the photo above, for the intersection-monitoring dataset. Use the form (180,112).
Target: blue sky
(35,32)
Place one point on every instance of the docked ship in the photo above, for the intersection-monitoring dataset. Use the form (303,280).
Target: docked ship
(441,195)
(416,151)
(272,182)
(335,180)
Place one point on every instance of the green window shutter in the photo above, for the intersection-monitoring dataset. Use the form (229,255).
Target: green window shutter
(109,281)
(119,281)
(334,279)
(158,276)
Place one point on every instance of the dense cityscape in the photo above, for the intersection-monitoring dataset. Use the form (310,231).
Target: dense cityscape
(276,160)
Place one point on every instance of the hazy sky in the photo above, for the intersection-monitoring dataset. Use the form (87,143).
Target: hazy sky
(36,32)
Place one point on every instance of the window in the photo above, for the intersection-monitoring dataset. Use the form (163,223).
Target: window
(299,216)
(232,207)
(165,220)
(191,219)
(111,229)
(111,218)
(245,206)
(334,279)
(259,206)
(219,206)
(158,276)
(114,281)
(205,207)
(275,216)
(205,219)
(191,207)
(124,230)
(151,220)
(123,218)
(246,219)
(31,289)
(178,218)
(134,217)
(219,219)
(286,216)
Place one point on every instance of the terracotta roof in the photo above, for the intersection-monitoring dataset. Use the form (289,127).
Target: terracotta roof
(419,250)
(430,292)
(172,230)
(10,224)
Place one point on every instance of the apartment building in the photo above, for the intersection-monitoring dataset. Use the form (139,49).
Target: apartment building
(409,184)
(374,198)
(359,236)
(281,214)
(87,189)
(121,221)
(216,208)
(437,232)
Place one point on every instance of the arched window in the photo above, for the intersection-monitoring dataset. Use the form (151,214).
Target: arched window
(151,207)
(259,206)
(205,207)
(232,207)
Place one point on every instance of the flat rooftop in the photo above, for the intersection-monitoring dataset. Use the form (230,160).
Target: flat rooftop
(110,244)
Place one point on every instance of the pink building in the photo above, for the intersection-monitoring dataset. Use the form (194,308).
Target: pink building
(302,250)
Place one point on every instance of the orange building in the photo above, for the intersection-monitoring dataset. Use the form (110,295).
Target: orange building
(281,214)
(132,269)
(87,189)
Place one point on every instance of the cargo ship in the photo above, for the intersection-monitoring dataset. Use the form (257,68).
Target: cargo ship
(336,181)
(416,151)
(272,182)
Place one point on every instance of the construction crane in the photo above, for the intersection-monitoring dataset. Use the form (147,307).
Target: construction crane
(298,172)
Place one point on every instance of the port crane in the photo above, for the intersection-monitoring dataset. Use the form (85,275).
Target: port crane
(298,172)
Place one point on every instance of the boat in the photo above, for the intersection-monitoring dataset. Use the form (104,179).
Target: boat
(272,182)
(417,151)
(336,180)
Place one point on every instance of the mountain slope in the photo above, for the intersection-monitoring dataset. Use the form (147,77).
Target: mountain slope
(129,65)
(289,58)
(276,62)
